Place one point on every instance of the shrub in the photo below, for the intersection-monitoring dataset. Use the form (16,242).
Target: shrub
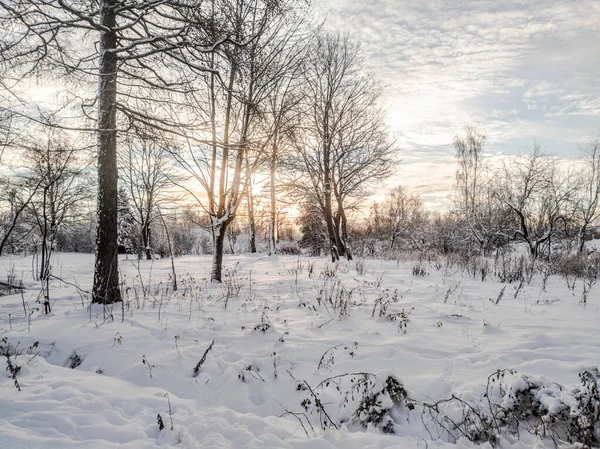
(290,249)
(419,269)
(375,406)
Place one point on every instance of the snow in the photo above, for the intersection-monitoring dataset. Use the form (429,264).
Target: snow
(238,400)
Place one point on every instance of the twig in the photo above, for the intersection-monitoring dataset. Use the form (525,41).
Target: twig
(297,416)
(203,359)
(320,405)
(320,326)
(170,410)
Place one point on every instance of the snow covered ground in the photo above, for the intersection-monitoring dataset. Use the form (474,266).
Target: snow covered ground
(443,336)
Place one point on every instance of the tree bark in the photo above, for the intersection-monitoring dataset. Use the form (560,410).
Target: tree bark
(217,263)
(581,240)
(171,256)
(337,229)
(333,244)
(273,212)
(328,210)
(146,240)
(106,271)
(251,223)
(345,234)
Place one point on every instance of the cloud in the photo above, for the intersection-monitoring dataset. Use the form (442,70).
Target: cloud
(520,69)
(571,97)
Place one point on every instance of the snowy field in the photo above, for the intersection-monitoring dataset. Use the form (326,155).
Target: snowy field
(290,324)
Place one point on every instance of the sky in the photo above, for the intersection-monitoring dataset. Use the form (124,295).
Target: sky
(522,71)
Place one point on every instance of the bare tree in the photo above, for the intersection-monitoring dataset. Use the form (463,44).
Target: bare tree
(7,131)
(587,198)
(17,192)
(398,216)
(60,170)
(538,195)
(342,146)
(475,200)
(146,173)
(363,157)
(281,112)
(469,180)
(170,247)
(17,188)
(242,80)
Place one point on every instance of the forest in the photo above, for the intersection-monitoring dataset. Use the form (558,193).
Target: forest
(201,215)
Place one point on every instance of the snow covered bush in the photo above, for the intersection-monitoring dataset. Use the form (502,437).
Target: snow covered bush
(375,406)
(13,370)
(513,402)
(289,248)
(419,269)
(363,398)
(584,411)
(546,408)
(11,352)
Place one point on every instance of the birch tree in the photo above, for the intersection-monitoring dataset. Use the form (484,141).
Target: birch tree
(474,199)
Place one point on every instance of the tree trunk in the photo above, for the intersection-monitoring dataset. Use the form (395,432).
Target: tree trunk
(345,234)
(217,263)
(533,250)
(174,273)
(337,229)
(273,212)
(146,240)
(106,270)
(581,240)
(251,223)
(328,215)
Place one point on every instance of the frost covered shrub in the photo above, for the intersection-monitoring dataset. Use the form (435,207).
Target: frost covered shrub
(8,350)
(511,269)
(13,370)
(77,238)
(360,267)
(289,248)
(375,406)
(363,398)
(584,414)
(204,245)
(547,409)
(329,271)
(419,269)
(384,301)
(515,401)
(578,266)
(457,418)
(335,294)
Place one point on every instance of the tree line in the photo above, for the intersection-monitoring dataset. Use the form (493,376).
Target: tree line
(547,204)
